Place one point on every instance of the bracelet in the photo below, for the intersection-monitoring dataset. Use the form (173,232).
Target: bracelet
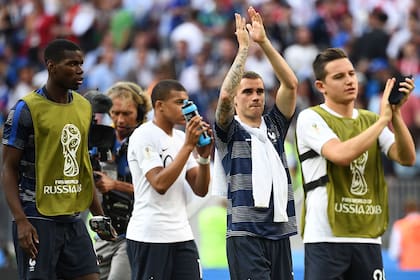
(202,160)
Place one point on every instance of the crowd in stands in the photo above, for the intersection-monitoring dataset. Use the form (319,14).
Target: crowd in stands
(192,41)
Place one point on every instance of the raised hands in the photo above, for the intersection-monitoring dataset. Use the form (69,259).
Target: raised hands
(193,129)
(256,28)
(241,32)
(406,87)
(385,110)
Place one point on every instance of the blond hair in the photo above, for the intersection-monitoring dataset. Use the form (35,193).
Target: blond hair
(132,91)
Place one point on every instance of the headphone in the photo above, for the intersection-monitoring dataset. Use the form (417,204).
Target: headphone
(137,95)
(140,114)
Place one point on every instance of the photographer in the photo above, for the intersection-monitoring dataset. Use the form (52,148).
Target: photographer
(128,110)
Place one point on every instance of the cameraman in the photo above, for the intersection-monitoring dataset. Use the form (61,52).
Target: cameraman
(129,108)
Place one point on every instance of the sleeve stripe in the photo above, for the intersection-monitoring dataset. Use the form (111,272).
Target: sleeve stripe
(16,115)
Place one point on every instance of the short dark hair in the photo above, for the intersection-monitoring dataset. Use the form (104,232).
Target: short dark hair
(251,75)
(56,48)
(323,58)
(163,88)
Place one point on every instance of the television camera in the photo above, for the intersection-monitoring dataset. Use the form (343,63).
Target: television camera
(101,137)
(101,141)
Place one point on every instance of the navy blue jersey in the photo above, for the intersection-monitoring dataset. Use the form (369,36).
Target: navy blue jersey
(234,147)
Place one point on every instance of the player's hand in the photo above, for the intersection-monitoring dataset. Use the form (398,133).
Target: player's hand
(28,238)
(206,150)
(385,110)
(241,31)
(406,87)
(256,28)
(193,130)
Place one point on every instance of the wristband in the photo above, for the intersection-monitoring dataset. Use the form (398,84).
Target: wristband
(202,160)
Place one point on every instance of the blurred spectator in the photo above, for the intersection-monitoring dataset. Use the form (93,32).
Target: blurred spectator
(404,244)
(325,23)
(224,52)
(302,53)
(138,62)
(39,27)
(189,31)
(6,25)
(409,61)
(177,58)
(306,95)
(360,10)
(195,80)
(92,57)
(345,36)
(415,7)
(218,21)
(24,84)
(302,11)
(397,12)
(374,41)
(103,74)
(171,15)
(78,23)
(278,23)
(161,72)
(402,36)
(104,12)
(12,61)
(141,11)
(121,28)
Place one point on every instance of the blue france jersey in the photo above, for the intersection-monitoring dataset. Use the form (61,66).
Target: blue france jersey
(234,147)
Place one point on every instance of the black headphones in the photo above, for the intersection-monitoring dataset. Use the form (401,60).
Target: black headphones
(140,114)
(140,110)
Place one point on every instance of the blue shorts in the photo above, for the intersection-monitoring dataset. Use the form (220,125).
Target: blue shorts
(164,261)
(65,250)
(351,261)
(257,258)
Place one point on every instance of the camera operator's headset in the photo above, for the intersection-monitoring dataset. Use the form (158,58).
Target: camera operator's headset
(137,94)
(144,105)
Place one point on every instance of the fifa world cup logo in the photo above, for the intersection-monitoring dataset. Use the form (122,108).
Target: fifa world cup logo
(70,140)
(357,167)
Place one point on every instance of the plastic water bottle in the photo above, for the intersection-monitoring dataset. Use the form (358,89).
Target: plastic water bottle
(189,109)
